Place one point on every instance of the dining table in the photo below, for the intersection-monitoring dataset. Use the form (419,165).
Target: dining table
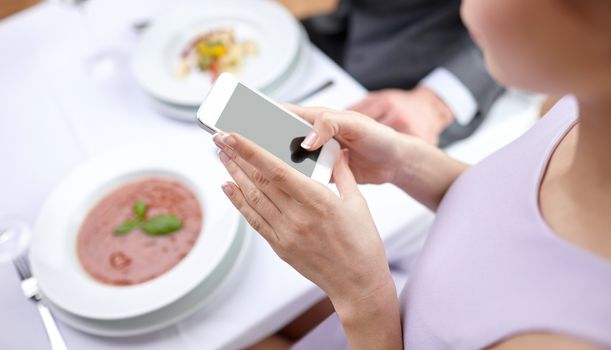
(68,94)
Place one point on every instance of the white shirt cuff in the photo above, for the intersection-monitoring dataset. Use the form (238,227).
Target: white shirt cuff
(453,92)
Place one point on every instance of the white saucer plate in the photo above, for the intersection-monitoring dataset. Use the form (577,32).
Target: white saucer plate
(280,90)
(222,280)
(275,32)
(53,256)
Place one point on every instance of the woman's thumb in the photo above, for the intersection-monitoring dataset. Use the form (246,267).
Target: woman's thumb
(324,129)
(343,177)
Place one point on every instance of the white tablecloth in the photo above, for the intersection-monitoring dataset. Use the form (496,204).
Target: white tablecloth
(56,112)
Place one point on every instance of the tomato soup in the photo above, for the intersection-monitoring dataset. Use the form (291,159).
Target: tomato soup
(126,257)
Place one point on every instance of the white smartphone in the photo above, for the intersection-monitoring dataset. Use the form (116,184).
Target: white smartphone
(233,107)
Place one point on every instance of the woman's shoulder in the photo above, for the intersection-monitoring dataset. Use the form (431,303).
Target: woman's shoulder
(536,341)
(526,155)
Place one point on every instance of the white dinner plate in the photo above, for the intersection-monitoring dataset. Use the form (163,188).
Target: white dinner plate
(53,250)
(281,89)
(219,283)
(275,32)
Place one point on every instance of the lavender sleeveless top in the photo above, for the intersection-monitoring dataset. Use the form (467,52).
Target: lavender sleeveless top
(491,267)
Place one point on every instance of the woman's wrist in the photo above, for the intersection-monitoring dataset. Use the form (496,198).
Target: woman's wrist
(374,320)
(408,153)
(424,171)
(352,311)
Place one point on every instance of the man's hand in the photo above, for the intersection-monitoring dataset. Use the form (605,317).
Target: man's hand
(419,112)
(302,9)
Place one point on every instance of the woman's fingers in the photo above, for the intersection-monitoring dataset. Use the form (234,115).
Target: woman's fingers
(256,221)
(344,127)
(255,198)
(327,123)
(343,177)
(275,194)
(322,129)
(291,181)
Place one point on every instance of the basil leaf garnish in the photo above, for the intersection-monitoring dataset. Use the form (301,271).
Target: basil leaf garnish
(126,227)
(161,225)
(140,209)
(158,226)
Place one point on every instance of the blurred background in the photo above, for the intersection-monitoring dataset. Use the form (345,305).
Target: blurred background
(8,7)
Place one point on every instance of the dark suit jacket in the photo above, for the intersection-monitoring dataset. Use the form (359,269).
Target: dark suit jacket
(396,43)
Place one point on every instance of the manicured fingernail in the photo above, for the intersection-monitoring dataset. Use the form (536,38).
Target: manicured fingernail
(309,140)
(228,140)
(216,138)
(227,189)
(224,157)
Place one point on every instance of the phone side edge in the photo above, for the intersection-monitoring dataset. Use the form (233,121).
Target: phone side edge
(326,161)
(215,101)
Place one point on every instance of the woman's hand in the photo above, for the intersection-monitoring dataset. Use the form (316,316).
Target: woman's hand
(379,154)
(375,150)
(330,240)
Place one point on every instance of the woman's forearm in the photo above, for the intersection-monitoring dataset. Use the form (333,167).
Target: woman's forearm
(374,322)
(426,172)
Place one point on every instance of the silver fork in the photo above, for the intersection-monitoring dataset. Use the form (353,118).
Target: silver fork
(29,286)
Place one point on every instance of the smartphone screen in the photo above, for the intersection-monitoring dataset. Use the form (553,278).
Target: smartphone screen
(270,127)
